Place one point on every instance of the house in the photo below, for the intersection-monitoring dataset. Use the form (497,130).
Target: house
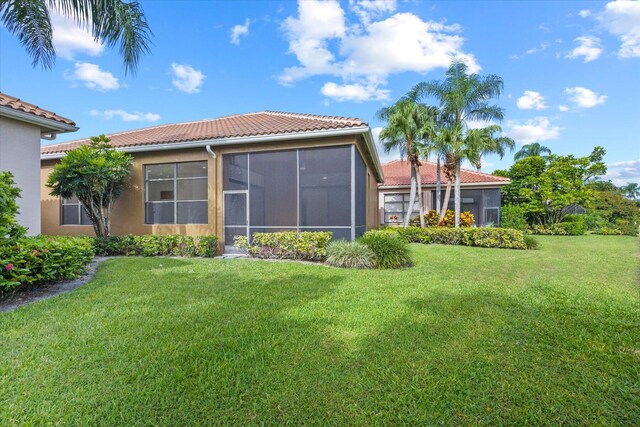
(236,175)
(22,126)
(480,193)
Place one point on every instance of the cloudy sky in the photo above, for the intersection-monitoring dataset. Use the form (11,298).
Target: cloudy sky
(571,69)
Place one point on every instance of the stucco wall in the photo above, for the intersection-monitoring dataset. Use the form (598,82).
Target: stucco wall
(128,214)
(20,155)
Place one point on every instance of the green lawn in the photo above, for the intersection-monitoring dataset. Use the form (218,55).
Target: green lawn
(468,336)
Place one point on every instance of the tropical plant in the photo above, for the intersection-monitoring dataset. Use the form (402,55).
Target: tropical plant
(109,21)
(9,192)
(530,150)
(631,190)
(96,175)
(463,98)
(344,254)
(409,124)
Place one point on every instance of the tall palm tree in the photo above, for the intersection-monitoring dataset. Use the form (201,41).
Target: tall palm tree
(110,21)
(631,190)
(481,142)
(463,97)
(531,150)
(408,125)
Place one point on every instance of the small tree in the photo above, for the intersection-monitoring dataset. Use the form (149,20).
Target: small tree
(96,175)
(9,228)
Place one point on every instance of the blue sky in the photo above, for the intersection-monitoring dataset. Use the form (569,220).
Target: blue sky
(571,69)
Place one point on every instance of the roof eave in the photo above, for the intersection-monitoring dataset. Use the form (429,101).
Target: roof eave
(48,126)
(462,184)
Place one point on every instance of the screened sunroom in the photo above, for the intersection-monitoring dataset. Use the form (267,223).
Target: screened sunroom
(306,189)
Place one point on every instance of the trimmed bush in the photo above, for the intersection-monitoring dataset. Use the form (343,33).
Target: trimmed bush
(156,245)
(432,219)
(390,249)
(306,245)
(9,228)
(349,255)
(628,228)
(486,237)
(549,230)
(43,259)
(513,217)
(608,231)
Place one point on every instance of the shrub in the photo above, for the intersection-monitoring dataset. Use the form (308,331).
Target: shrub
(9,228)
(512,216)
(487,237)
(390,249)
(531,242)
(42,259)
(349,255)
(156,245)
(608,231)
(628,227)
(306,245)
(550,230)
(432,219)
(594,221)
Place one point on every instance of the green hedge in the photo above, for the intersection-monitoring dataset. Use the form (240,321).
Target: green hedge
(42,259)
(157,245)
(485,237)
(306,245)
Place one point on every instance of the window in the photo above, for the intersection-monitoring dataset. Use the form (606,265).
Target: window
(73,213)
(396,207)
(176,193)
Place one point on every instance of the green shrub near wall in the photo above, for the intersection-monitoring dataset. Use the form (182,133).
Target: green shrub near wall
(42,259)
(486,237)
(390,250)
(513,217)
(306,245)
(157,245)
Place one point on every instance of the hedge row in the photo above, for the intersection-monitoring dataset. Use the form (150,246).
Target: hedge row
(306,245)
(485,237)
(42,259)
(157,245)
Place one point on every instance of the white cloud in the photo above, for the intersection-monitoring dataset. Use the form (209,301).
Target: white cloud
(367,53)
(584,13)
(588,49)
(93,77)
(531,100)
(354,92)
(239,30)
(368,9)
(394,154)
(622,18)
(479,124)
(622,172)
(69,39)
(533,130)
(126,116)
(563,108)
(584,98)
(186,78)
(542,47)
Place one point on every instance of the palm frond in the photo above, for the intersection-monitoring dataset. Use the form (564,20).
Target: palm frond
(31,23)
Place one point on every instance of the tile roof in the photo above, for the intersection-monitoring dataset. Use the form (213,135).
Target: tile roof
(239,125)
(17,104)
(398,172)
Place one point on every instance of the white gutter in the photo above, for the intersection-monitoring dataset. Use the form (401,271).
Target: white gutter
(221,142)
(50,124)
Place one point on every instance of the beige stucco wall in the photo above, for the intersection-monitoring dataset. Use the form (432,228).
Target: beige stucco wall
(128,214)
(20,155)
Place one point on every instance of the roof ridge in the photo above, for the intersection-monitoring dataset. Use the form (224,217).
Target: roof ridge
(314,116)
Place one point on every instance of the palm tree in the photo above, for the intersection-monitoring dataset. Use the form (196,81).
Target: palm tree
(481,142)
(631,190)
(110,21)
(463,97)
(408,125)
(530,150)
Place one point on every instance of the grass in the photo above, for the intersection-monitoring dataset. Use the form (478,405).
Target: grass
(467,336)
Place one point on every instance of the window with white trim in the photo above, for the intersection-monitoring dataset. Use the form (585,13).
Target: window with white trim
(396,207)
(73,213)
(176,193)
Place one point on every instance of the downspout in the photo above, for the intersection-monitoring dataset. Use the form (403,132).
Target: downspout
(215,199)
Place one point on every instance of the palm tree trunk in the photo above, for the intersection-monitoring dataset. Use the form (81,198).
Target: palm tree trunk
(420,205)
(438,187)
(445,202)
(412,197)
(457,194)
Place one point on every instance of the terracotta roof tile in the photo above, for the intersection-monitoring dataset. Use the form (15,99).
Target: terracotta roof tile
(398,172)
(17,104)
(239,125)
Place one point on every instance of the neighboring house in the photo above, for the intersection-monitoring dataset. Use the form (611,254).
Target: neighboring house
(236,175)
(480,193)
(22,126)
